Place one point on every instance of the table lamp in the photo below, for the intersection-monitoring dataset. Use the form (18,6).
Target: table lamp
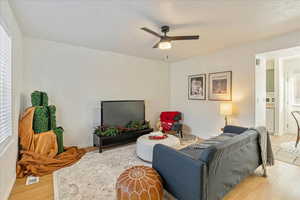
(226,110)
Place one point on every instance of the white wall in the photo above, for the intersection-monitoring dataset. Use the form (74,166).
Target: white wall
(77,78)
(202,117)
(8,149)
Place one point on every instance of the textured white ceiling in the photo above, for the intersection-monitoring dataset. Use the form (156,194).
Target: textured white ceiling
(113,25)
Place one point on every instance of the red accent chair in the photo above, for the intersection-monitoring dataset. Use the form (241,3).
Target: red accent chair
(170,121)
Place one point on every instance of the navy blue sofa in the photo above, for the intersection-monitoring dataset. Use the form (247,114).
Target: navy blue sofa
(208,170)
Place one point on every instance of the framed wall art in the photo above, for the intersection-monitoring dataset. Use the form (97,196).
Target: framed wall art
(197,87)
(220,86)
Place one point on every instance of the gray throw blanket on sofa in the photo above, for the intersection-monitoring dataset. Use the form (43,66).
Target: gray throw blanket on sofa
(265,148)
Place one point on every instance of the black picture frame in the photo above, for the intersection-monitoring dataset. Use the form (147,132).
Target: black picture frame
(190,79)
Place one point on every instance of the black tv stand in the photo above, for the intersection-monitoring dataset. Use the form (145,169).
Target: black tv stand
(123,138)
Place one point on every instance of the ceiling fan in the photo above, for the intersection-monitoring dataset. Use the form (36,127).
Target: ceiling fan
(165,41)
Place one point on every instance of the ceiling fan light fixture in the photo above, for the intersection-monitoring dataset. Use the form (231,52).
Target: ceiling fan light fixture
(164,45)
(165,40)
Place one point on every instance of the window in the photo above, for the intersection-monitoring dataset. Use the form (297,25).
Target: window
(5,85)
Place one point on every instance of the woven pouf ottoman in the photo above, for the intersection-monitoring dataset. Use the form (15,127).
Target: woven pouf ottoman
(139,183)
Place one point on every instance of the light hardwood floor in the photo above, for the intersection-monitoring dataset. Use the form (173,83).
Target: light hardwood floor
(39,191)
(277,140)
(283,183)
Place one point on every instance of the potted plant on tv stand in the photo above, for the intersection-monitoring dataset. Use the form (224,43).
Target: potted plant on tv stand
(111,135)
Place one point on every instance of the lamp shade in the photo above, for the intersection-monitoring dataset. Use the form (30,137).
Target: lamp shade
(165,45)
(225,109)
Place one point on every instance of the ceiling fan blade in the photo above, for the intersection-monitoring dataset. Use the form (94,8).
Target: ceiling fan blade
(156,45)
(151,32)
(188,37)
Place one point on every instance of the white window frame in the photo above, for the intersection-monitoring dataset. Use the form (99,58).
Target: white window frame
(9,120)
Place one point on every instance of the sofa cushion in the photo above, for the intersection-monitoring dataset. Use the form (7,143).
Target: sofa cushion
(198,153)
(205,150)
(230,134)
(234,129)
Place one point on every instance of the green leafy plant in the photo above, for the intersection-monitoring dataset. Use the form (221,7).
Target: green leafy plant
(134,125)
(138,125)
(146,125)
(106,131)
(116,130)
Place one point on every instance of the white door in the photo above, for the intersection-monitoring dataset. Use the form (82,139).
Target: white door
(260,92)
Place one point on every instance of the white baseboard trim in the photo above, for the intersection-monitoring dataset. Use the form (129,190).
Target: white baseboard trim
(11,184)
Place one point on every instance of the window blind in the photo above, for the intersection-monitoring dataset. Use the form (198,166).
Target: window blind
(5,85)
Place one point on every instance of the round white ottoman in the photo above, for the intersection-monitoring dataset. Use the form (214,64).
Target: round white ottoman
(144,146)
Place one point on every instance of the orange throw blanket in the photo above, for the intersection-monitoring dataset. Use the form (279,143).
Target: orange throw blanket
(38,152)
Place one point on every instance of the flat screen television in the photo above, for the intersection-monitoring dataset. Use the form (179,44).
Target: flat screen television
(120,113)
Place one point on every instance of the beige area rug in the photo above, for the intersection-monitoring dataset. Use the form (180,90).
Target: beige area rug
(287,152)
(94,176)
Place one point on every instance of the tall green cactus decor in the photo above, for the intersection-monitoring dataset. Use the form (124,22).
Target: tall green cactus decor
(44,118)
(39,98)
(41,119)
(59,137)
(52,117)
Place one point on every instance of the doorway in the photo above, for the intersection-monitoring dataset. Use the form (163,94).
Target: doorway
(293,95)
(277,93)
